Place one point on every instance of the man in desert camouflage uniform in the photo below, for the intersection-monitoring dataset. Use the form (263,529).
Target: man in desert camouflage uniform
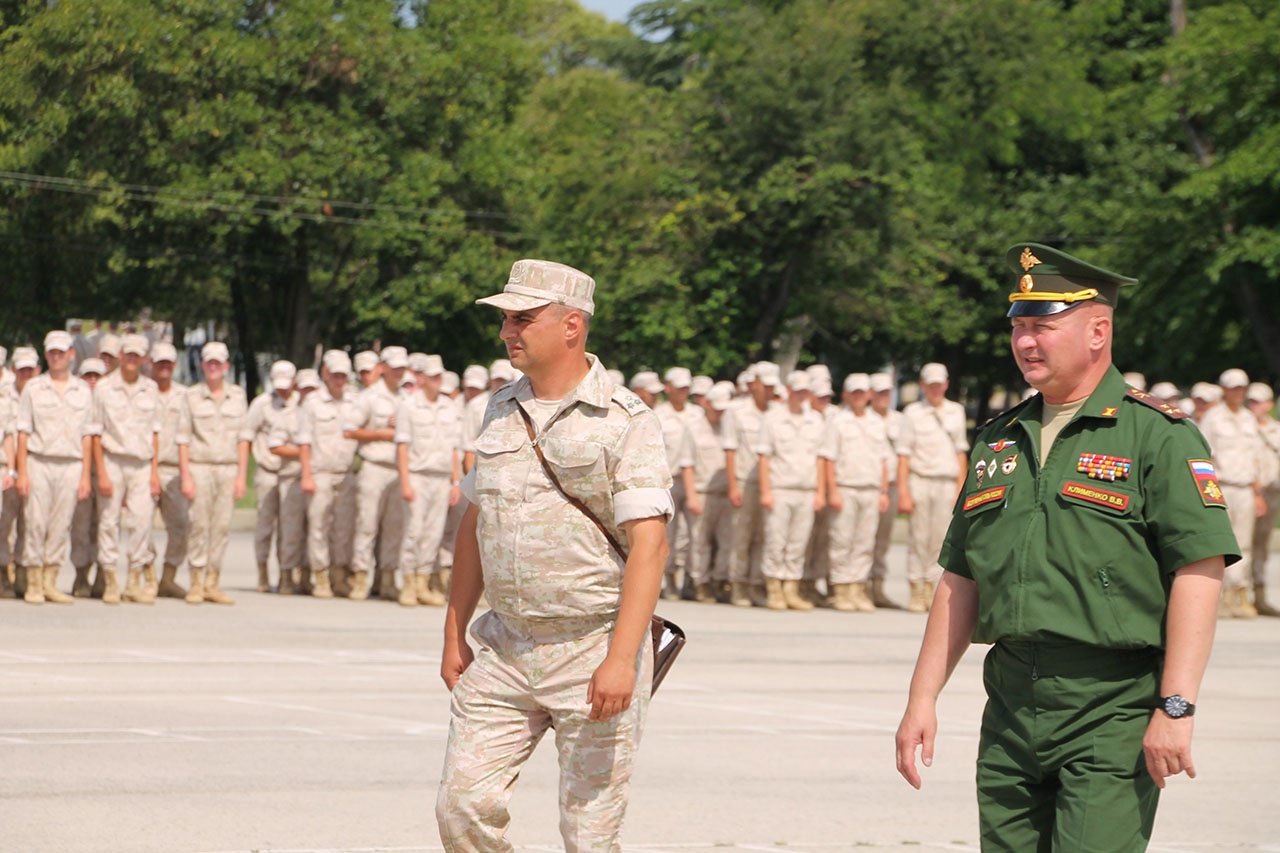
(882,405)
(26,364)
(567,642)
(266,412)
(1261,400)
(295,573)
(84,521)
(126,425)
(380,514)
(706,483)
(428,429)
(932,462)
(327,478)
(174,505)
(218,462)
(738,438)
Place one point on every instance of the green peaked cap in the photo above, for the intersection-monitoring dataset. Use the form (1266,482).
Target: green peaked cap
(1051,281)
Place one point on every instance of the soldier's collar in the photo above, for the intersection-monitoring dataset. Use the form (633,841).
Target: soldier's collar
(595,389)
(1105,400)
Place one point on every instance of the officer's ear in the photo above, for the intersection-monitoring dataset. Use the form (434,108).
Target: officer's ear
(575,324)
(1100,327)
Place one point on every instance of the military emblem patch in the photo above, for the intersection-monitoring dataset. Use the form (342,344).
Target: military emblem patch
(980,471)
(1097,466)
(1009,465)
(987,496)
(1002,444)
(1207,482)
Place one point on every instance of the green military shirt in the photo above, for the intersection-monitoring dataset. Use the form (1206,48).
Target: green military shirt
(1084,549)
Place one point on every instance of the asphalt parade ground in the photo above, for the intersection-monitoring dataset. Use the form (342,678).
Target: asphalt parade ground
(291,724)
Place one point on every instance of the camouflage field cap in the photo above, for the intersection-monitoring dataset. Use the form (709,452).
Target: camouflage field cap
(1050,281)
(534,283)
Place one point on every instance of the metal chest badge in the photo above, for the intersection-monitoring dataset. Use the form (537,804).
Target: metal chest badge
(1097,466)
(1009,465)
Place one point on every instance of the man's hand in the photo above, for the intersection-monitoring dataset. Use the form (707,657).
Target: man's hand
(188,488)
(819,502)
(611,688)
(918,728)
(104,486)
(905,504)
(766,499)
(836,500)
(1167,747)
(455,495)
(23,485)
(693,505)
(308,485)
(237,492)
(454,661)
(406,492)
(155,485)
(735,495)
(84,489)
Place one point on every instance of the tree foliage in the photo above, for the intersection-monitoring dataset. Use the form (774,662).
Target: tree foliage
(800,179)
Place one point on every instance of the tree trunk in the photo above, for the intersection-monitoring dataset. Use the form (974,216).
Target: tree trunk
(244,333)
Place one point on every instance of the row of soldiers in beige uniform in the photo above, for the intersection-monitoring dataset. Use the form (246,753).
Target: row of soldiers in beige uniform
(778,492)
(108,445)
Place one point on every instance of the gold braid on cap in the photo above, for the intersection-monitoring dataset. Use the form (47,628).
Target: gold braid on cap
(1045,296)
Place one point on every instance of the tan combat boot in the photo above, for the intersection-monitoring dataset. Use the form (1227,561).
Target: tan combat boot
(791,595)
(861,601)
(340,580)
(359,586)
(286,585)
(196,594)
(6,585)
(740,594)
(703,593)
(169,587)
(879,598)
(1260,601)
(264,578)
(409,595)
(1241,607)
(430,590)
(110,587)
(321,589)
(918,603)
(32,584)
(441,581)
(841,599)
(51,592)
(81,587)
(211,591)
(133,588)
(929,589)
(150,585)
(774,599)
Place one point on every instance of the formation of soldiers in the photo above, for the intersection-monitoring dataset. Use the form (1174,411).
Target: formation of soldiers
(785,493)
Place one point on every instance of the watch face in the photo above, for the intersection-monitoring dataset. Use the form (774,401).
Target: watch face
(1175,706)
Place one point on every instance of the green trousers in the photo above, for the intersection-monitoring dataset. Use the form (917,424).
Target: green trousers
(1060,763)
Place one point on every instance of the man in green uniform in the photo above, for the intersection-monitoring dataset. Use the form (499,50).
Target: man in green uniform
(1088,545)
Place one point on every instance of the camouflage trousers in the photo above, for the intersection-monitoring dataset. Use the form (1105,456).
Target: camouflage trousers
(174,512)
(529,676)
(853,535)
(934,499)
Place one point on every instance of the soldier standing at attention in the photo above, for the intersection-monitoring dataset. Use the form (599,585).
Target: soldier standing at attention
(739,433)
(295,573)
(856,451)
(84,521)
(882,405)
(26,364)
(428,429)
(380,514)
(218,462)
(931,463)
(792,490)
(1102,615)
(676,416)
(174,505)
(567,643)
(326,456)
(127,416)
(1236,447)
(265,413)
(706,485)
(54,453)
(1261,402)
(8,452)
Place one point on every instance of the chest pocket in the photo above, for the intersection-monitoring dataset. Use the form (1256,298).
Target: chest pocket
(579,465)
(497,463)
(1105,496)
(204,410)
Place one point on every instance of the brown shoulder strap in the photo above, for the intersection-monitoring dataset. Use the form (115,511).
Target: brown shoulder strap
(555,481)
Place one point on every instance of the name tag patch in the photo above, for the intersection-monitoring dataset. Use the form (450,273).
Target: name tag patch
(984,497)
(1095,495)
(1207,482)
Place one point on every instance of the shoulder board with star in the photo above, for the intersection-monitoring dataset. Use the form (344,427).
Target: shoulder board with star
(1170,412)
(629,401)
(1005,415)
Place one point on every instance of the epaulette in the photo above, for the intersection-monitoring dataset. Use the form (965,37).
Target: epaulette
(504,392)
(1009,411)
(1171,412)
(629,401)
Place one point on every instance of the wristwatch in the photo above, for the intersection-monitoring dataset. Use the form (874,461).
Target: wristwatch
(1177,707)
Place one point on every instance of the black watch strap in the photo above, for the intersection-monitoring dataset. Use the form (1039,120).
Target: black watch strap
(1177,707)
